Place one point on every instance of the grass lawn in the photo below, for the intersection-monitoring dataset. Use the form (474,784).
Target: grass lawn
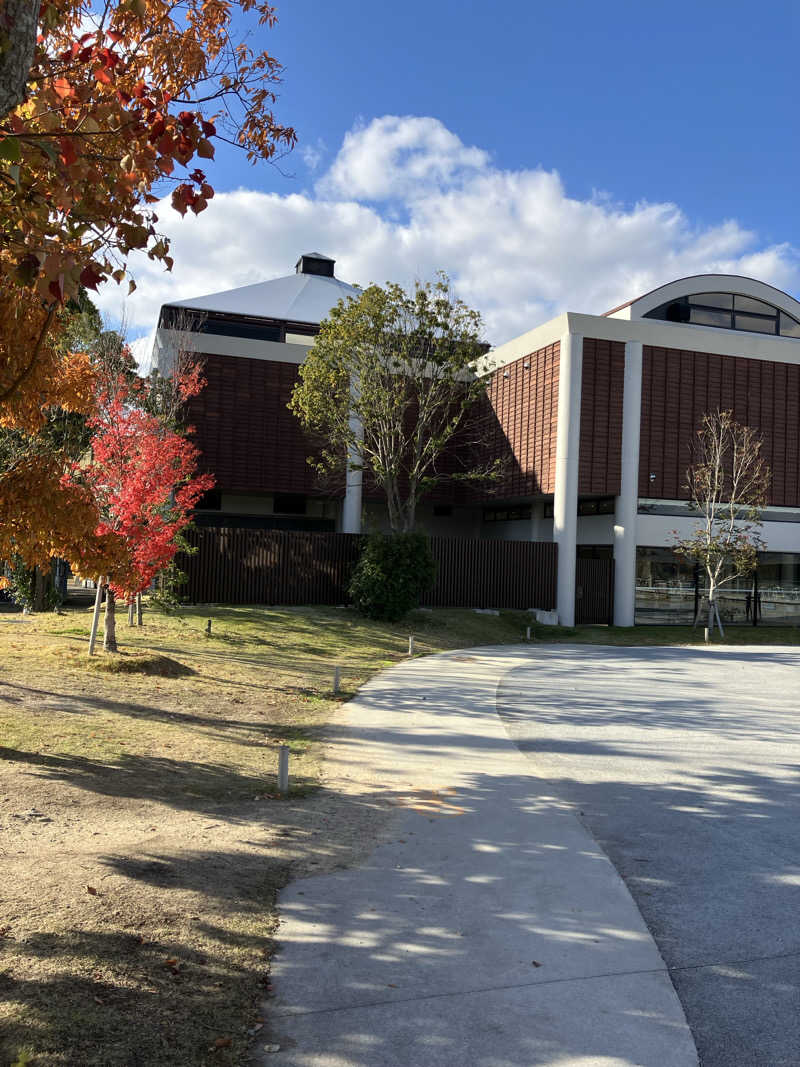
(141,838)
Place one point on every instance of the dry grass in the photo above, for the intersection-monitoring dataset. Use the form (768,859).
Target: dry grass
(142,840)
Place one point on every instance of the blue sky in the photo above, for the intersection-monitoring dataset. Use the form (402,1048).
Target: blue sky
(691,102)
(546,156)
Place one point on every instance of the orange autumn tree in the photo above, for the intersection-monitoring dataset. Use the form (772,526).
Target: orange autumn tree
(122,102)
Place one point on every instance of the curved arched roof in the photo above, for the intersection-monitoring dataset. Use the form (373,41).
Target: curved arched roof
(707,283)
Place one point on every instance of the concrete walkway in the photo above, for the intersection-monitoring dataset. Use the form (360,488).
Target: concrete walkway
(488,929)
(686,765)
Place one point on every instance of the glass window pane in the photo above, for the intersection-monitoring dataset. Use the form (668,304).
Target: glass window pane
(664,587)
(789,327)
(779,587)
(713,300)
(754,324)
(702,317)
(746,303)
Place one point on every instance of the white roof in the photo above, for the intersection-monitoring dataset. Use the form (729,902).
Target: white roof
(295,298)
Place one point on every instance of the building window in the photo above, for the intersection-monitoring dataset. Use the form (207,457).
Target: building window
(210,501)
(219,325)
(671,589)
(665,587)
(603,505)
(289,504)
(728,311)
(507,514)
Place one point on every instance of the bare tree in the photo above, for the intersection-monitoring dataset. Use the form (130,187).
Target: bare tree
(728,481)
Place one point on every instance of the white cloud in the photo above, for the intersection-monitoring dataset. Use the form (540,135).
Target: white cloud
(405,197)
(400,158)
(312,154)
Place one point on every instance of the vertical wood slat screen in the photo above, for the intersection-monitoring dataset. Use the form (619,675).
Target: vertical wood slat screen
(239,566)
(594,588)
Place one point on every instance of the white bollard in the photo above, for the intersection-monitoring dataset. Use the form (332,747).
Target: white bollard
(98,600)
(283,770)
(411,644)
(337,677)
(705,635)
(527,633)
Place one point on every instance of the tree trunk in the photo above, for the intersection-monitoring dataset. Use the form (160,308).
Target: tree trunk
(131,609)
(110,632)
(39,589)
(138,609)
(17,44)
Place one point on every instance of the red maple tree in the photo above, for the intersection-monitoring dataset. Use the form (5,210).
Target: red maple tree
(142,475)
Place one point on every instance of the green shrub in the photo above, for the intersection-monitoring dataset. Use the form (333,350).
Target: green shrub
(36,590)
(391,575)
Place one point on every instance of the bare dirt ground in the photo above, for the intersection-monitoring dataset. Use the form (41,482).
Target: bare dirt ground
(141,838)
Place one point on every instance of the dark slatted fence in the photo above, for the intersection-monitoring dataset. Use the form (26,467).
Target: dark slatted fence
(594,591)
(235,566)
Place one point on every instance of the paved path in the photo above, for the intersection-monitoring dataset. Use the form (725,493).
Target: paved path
(487,929)
(685,766)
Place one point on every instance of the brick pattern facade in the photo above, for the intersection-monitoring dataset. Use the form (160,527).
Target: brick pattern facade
(679,387)
(249,439)
(600,457)
(521,427)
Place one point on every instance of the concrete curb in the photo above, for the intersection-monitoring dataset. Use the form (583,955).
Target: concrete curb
(488,929)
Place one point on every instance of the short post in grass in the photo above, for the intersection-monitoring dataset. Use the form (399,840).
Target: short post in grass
(283,770)
(411,644)
(527,633)
(705,634)
(208,628)
(337,679)
(96,617)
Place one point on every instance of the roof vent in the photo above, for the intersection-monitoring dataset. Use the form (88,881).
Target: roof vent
(315,263)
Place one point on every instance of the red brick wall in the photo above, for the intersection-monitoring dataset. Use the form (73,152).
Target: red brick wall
(679,387)
(248,437)
(521,425)
(600,458)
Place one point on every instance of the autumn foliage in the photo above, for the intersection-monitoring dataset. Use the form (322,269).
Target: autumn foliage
(120,102)
(124,103)
(142,479)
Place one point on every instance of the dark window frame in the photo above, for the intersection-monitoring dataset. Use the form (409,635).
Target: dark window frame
(508,513)
(680,310)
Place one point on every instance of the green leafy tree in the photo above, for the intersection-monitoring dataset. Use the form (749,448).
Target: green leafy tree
(728,481)
(387,387)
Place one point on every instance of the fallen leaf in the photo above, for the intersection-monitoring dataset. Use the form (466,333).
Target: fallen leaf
(223,1042)
(536,963)
(272,1048)
(91,889)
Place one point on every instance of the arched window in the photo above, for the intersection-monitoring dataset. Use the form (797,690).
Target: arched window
(728,311)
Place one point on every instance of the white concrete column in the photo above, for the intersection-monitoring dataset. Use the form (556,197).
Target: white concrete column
(565,498)
(351,507)
(627,503)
